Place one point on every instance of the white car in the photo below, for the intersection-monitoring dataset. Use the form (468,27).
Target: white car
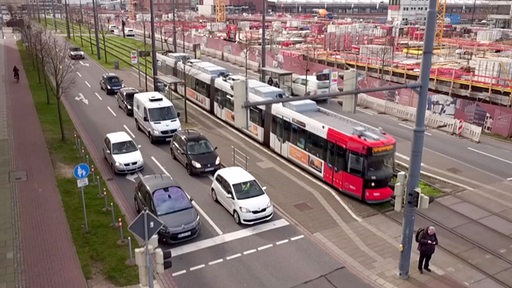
(241,194)
(121,153)
(129,32)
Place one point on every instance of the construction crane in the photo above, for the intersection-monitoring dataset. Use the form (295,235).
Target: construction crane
(220,10)
(441,15)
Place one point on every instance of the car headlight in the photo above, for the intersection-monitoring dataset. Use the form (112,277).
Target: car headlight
(244,210)
(164,229)
(269,204)
(156,132)
(217,161)
(196,164)
(118,164)
(108,86)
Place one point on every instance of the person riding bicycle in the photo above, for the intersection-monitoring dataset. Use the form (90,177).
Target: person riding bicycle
(16,72)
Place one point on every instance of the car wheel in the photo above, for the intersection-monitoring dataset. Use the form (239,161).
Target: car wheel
(214,196)
(189,169)
(138,126)
(113,168)
(236,217)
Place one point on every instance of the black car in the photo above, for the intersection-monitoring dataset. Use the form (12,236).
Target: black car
(195,152)
(111,83)
(164,198)
(125,99)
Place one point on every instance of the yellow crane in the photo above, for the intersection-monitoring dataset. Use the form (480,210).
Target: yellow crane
(441,15)
(220,10)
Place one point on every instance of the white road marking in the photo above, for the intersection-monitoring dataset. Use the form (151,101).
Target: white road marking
(412,128)
(111,111)
(179,272)
(87,83)
(78,73)
(98,95)
(490,155)
(161,167)
(215,261)
(82,98)
(233,256)
(197,267)
(297,237)
(132,176)
(282,242)
(249,251)
(509,179)
(84,64)
(129,131)
(228,237)
(265,247)
(365,111)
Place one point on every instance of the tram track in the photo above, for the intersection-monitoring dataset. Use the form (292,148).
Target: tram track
(467,255)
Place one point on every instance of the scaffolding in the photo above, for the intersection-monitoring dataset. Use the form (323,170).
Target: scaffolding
(441,15)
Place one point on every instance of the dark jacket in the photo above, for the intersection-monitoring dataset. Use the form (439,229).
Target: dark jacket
(424,246)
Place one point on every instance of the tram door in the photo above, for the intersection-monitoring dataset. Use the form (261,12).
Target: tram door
(335,164)
(279,134)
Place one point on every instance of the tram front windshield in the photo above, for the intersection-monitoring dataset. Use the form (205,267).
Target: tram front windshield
(380,166)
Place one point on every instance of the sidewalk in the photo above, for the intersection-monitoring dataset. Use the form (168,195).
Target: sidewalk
(34,231)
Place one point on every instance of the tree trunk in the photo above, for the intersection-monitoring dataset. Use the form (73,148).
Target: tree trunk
(62,135)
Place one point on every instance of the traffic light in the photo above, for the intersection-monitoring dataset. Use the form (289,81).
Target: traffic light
(163,260)
(415,197)
(419,200)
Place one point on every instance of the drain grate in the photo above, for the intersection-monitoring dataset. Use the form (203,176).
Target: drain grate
(302,206)
(17,176)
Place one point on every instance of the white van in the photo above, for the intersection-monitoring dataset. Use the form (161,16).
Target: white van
(314,86)
(155,115)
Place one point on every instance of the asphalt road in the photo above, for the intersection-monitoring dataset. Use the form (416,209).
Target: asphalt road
(273,254)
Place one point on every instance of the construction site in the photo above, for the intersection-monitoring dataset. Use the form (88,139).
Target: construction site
(471,76)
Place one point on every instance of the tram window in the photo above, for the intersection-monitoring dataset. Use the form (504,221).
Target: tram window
(336,157)
(202,88)
(255,116)
(298,136)
(191,83)
(355,164)
(316,145)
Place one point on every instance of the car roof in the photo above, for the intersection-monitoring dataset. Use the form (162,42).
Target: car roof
(120,136)
(158,181)
(110,75)
(191,134)
(128,90)
(235,174)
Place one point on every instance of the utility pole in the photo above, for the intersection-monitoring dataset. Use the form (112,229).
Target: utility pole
(68,32)
(95,15)
(153,44)
(174,25)
(263,42)
(417,143)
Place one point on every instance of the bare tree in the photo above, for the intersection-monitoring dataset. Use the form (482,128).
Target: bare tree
(187,74)
(308,58)
(378,55)
(61,71)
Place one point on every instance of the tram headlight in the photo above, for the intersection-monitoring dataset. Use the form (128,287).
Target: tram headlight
(372,184)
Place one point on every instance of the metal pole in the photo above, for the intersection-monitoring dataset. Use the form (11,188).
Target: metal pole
(153,44)
(138,65)
(130,247)
(417,143)
(96,29)
(67,19)
(80,24)
(263,42)
(174,25)
(113,214)
(85,211)
(148,262)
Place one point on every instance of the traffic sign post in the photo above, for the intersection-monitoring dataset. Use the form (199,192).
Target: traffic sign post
(134,57)
(81,172)
(145,226)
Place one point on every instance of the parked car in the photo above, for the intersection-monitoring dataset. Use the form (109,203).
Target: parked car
(195,152)
(76,53)
(129,32)
(112,28)
(164,197)
(125,99)
(111,83)
(241,194)
(121,153)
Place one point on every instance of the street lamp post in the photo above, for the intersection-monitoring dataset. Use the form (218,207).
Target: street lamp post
(153,44)
(174,25)
(94,6)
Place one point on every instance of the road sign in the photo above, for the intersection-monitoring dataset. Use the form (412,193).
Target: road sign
(134,58)
(137,226)
(81,171)
(82,182)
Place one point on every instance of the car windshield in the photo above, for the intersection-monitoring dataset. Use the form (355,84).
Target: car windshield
(380,165)
(124,147)
(129,98)
(162,113)
(75,49)
(170,200)
(201,146)
(246,190)
(322,84)
(113,80)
